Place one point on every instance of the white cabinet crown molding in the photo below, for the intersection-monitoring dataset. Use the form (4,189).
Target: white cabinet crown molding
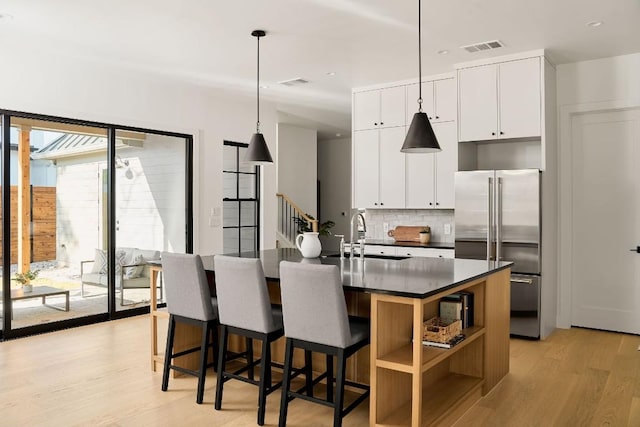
(377,86)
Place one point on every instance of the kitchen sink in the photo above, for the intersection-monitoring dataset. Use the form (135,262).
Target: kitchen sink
(391,257)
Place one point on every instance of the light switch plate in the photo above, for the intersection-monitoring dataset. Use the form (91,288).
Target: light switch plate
(447,229)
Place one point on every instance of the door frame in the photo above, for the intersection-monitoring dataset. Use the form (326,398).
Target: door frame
(565,197)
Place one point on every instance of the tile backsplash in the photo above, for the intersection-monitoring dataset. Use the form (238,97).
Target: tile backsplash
(436,219)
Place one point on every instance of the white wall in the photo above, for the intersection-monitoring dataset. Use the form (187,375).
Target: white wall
(298,166)
(44,83)
(602,84)
(334,174)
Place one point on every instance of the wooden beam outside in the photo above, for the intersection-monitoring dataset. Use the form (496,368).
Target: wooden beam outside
(24,199)
(70,128)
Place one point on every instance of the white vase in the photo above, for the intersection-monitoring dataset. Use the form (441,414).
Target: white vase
(309,244)
(27,288)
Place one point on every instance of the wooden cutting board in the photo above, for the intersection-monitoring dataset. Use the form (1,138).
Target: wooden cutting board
(406,233)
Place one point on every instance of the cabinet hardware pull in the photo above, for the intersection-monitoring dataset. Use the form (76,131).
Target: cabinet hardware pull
(437,117)
(381,123)
(501,133)
(493,133)
(430,118)
(375,124)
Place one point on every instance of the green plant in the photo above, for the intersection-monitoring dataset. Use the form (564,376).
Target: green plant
(26,277)
(426,230)
(324,229)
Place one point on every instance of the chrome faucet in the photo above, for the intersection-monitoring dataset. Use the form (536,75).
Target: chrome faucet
(357,216)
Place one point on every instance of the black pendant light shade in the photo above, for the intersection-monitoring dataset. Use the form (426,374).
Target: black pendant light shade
(420,138)
(258,152)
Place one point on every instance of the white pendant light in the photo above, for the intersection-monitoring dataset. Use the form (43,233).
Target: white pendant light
(420,138)
(258,152)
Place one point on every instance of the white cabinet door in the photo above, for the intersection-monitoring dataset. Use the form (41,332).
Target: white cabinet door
(478,103)
(427,100)
(392,106)
(445,100)
(446,164)
(421,183)
(519,98)
(425,252)
(430,177)
(366,110)
(365,168)
(392,168)
(379,250)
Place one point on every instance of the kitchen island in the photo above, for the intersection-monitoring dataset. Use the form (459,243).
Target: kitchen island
(412,384)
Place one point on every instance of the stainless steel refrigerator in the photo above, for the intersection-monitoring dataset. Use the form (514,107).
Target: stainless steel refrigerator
(497,217)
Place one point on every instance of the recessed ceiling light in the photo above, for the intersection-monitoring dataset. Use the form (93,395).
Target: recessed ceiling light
(331,73)
(594,24)
(443,52)
(264,87)
(338,135)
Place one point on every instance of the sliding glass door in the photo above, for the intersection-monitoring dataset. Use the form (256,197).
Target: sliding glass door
(84,207)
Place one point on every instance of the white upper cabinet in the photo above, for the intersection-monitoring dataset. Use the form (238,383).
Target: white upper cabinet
(366,159)
(380,108)
(430,177)
(379,168)
(520,98)
(438,100)
(500,101)
(392,168)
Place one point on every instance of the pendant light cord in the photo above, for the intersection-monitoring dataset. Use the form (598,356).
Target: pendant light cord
(258,89)
(419,57)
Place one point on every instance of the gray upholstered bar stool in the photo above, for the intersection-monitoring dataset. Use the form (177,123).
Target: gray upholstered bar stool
(188,301)
(315,318)
(245,310)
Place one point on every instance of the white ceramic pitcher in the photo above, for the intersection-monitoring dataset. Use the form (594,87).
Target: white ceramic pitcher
(310,246)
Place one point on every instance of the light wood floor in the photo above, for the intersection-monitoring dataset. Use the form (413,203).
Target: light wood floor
(99,375)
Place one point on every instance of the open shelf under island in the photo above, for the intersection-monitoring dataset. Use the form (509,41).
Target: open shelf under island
(411,384)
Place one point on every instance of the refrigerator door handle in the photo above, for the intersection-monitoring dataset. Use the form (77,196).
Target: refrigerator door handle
(499,219)
(489,217)
(525,281)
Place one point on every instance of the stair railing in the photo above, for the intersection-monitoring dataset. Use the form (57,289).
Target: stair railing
(289,216)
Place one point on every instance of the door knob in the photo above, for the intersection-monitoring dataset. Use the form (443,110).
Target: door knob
(637,249)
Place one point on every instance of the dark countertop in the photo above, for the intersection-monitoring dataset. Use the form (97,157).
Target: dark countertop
(391,242)
(414,277)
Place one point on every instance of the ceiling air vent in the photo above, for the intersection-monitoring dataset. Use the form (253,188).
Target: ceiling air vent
(294,82)
(478,47)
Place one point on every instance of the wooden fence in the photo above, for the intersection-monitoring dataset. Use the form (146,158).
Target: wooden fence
(43,224)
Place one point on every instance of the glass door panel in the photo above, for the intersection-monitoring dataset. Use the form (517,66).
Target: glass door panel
(150,214)
(58,253)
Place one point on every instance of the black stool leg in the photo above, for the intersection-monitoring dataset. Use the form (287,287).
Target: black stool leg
(308,367)
(286,383)
(214,341)
(339,403)
(204,353)
(168,354)
(249,346)
(222,347)
(262,386)
(329,378)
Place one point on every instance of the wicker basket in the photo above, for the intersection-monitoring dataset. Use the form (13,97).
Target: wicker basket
(435,329)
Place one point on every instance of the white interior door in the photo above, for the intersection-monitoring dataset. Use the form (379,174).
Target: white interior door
(606,221)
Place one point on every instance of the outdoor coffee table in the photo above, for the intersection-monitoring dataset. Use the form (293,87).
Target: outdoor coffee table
(41,292)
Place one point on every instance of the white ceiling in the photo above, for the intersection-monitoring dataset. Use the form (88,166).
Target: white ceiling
(208,42)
